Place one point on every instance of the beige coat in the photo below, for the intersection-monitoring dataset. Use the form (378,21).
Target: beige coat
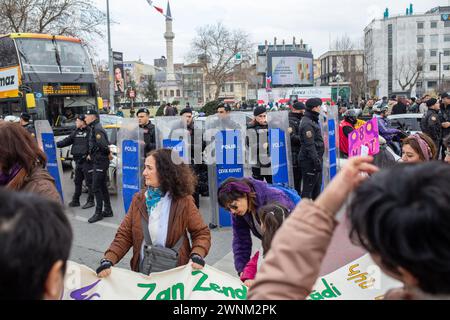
(289,271)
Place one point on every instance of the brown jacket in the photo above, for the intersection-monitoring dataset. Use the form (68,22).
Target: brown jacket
(184,216)
(39,181)
(290,272)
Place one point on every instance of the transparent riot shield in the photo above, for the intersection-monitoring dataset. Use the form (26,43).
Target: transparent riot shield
(280,148)
(172,133)
(329,122)
(46,141)
(130,151)
(224,154)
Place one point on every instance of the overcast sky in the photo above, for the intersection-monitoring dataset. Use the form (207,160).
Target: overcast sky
(139,30)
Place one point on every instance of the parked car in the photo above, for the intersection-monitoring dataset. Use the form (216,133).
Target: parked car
(408,122)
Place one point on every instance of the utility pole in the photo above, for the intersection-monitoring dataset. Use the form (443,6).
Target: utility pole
(110,62)
(440,71)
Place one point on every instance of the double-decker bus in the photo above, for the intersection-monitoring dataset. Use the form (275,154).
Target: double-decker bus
(50,77)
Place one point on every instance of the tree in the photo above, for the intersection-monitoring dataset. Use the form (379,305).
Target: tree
(76,18)
(408,72)
(215,47)
(150,92)
(347,65)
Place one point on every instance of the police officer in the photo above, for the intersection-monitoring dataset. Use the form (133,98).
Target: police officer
(78,139)
(149,129)
(444,117)
(25,122)
(100,155)
(295,117)
(430,123)
(311,150)
(261,170)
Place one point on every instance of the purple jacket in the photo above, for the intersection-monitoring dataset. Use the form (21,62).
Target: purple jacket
(242,240)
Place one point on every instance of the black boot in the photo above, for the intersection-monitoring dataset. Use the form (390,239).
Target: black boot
(89,204)
(96,217)
(74,203)
(107,213)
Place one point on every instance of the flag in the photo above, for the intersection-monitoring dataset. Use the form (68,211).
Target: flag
(160,10)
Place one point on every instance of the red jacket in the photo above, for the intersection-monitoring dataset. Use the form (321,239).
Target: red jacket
(343,140)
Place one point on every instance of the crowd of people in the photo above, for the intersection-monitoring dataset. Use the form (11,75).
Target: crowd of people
(408,201)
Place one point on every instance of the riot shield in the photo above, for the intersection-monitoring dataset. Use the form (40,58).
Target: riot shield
(172,133)
(329,121)
(46,141)
(280,148)
(130,151)
(224,155)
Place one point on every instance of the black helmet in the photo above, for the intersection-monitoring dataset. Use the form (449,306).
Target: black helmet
(351,116)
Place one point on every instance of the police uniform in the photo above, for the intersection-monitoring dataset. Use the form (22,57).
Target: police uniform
(78,139)
(444,116)
(311,151)
(294,130)
(99,154)
(149,133)
(29,126)
(260,169)
(431,124)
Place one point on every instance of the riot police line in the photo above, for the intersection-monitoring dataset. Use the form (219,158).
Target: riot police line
(218,148)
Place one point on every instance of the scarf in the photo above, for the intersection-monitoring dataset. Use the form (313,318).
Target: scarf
(5,178)
(152,198)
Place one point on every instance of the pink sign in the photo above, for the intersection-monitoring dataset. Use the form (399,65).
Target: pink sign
(367,135)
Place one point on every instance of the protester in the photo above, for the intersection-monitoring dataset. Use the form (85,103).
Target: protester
(391,135)
(418,148)
(242,198)
(22,163)
(367,111)
(345,128)
(399,108)
(258,128)
(169,110)
(431,124)
(414,107)
(446,146)
(35,237)
(423,105)
(169,209)
(272,217)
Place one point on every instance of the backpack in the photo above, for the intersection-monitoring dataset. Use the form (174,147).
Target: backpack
(290,193)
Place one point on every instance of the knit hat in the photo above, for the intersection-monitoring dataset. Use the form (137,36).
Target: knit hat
(431,102)
(259,110)
(313,102)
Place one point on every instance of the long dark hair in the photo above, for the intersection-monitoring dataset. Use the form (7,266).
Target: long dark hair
(17,146)
(177,179)
(272,217)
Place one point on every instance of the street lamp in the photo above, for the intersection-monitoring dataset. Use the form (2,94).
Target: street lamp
(110,61)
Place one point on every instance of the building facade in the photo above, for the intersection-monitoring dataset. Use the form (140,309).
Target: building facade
(408,54)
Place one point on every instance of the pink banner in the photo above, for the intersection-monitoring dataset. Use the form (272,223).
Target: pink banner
(367,135)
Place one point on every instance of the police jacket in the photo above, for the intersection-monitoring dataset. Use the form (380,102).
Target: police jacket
(312,146)
(262,146)
(98,143)
(444,116)
(294,123)
(431,125)
(31,129)
(79,141)
(149,137)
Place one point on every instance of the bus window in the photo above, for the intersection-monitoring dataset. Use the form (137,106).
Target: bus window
(8,56)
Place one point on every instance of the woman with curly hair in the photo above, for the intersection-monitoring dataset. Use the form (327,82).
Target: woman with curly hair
(168,210)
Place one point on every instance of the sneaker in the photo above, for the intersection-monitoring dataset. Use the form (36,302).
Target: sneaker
(107,214)
(89,204)
(96,217)
(74,204)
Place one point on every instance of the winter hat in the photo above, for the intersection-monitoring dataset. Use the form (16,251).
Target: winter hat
(431,102)
(259,110)
(313,102)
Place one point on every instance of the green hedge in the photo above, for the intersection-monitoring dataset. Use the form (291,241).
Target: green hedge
(210,108)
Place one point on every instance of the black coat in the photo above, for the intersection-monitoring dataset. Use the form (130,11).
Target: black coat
(149,137)
(312,147)
(79,140)
(98,143)
(294,123)
(444,116)
(260,131)
(431,125)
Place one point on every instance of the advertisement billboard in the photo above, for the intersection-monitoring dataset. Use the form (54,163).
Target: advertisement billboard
(119,80)
(280,95)
(292,71)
